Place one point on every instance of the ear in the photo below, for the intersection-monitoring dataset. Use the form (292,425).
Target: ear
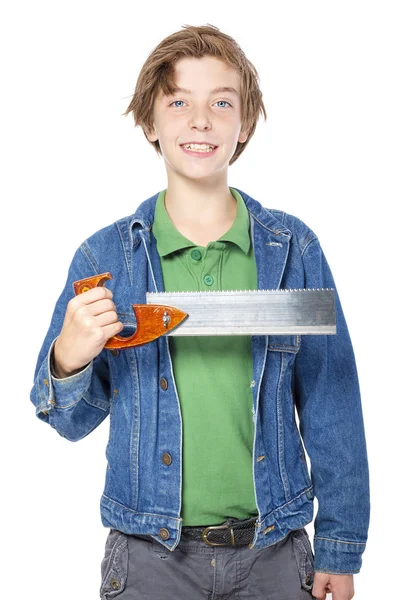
(150,134)
(243,136)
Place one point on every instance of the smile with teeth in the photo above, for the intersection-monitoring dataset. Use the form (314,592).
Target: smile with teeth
(198,147)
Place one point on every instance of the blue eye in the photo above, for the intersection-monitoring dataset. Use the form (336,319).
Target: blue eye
(225,101)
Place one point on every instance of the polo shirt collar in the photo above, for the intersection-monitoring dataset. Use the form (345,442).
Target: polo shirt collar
(169,239)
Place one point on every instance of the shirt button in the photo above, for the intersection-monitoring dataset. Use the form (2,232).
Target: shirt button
(114,352)
(163,383)
(196,254)
(208,279)
(167,459)
(163,533)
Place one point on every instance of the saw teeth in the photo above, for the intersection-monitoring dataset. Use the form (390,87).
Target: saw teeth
(280,290)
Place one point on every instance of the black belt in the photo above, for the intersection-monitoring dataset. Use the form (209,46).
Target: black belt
(231,533)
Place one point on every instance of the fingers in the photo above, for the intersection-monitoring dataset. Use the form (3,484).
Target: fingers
(100,306)
(93,295)
(92,302)
(113,329)
(101,313)
(340,586)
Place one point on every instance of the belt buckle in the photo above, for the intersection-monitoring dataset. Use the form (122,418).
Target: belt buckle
(206,531)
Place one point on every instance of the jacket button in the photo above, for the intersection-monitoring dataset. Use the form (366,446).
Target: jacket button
(167,458)
(114,352)
(268,529)
(115,584)
(163,383)
(163,533)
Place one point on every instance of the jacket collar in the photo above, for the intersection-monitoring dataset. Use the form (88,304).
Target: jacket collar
(143,218)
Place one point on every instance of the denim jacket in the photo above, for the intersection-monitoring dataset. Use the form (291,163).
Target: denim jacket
(314,374)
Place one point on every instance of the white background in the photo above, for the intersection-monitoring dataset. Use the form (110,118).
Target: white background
(328,153)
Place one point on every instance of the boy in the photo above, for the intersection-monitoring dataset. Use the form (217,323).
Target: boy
(207,489)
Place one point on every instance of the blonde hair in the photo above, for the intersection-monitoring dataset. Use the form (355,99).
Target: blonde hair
(158,72)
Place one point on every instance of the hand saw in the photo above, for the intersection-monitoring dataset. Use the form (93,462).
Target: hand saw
(236,312)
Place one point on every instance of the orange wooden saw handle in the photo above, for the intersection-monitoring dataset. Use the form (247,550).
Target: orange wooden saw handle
(152,320)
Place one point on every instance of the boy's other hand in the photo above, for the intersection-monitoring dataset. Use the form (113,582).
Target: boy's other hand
(340,586)
(90,320)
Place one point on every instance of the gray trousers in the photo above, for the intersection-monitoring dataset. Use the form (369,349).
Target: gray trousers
(137,567)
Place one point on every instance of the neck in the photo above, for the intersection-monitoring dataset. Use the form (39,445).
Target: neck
(199,205)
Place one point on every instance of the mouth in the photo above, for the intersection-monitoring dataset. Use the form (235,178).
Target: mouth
(199,150)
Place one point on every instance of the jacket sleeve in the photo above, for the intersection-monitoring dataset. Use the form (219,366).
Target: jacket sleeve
(328,402)
(75,405)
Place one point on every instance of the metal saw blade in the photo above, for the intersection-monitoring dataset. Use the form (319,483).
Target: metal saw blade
(307,311)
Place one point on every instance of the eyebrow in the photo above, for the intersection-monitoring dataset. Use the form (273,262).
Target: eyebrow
(214,91)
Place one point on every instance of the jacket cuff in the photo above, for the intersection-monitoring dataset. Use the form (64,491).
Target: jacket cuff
(337,557)
(59,393)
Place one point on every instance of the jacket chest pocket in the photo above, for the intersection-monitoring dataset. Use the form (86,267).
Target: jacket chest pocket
(128,319)
(284,343)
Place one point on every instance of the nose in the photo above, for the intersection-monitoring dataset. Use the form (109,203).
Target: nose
(200,120)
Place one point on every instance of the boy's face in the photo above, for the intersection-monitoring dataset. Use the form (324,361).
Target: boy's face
(199,114)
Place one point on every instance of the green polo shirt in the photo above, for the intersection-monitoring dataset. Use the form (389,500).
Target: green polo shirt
(213,374)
